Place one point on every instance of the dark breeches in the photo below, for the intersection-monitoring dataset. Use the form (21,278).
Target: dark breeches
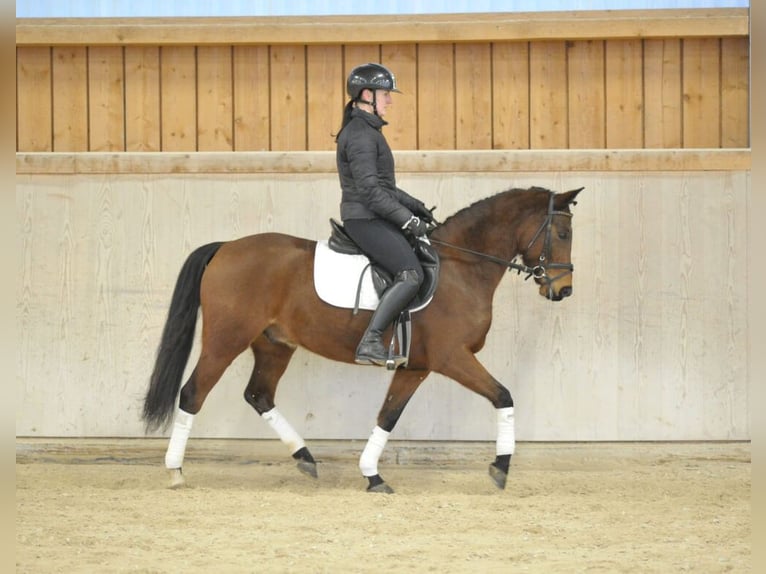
(385,245)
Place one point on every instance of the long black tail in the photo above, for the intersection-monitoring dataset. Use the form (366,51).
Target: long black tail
(177,338)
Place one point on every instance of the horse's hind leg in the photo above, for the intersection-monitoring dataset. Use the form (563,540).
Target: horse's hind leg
(209,369)
(271,359)
(400,391)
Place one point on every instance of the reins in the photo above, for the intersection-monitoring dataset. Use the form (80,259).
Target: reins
(520,267)
(539,271)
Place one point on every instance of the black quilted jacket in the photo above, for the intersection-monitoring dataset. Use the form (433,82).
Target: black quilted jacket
(366,171)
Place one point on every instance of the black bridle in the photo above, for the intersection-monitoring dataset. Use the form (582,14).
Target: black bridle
(539,271)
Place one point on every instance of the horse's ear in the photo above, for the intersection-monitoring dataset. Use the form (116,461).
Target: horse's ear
(562,200)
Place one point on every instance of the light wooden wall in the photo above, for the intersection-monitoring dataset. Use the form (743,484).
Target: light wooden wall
(652,345)
(649,79)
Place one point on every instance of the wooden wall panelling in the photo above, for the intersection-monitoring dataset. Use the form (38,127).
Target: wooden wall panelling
(325,95)
(586,94)
(473,96)
(735,68)
(415,161)
(384,28)
(701,93)
(634,313)
(252,119)
(624,94)
(178,77)
(715,283)
(106,94)
(215,99)
(34,103)
(510,95)
(357,54)
(142,98)
(70,98)
(662,93)
(436,96)
(644,101)
(288,98)
(548,95)
(402,60)
(657,341)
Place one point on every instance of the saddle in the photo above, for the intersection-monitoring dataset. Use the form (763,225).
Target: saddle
(340,242)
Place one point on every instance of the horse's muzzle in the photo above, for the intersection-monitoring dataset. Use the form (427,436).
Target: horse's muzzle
(548,292)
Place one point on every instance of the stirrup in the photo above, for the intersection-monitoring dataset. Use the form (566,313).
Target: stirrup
(402,335)
(393,363)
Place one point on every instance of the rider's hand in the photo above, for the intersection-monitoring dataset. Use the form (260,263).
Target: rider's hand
(424,213)
(416,226)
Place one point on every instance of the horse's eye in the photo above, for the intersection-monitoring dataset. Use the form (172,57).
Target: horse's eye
(563,234)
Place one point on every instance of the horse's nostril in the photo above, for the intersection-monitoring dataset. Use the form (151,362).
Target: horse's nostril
(565,291)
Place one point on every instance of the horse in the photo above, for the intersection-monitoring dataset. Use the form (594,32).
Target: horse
(257,292)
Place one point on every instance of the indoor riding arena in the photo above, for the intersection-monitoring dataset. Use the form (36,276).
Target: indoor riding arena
(140,139)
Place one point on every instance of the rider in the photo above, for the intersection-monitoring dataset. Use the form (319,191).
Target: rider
(376,213)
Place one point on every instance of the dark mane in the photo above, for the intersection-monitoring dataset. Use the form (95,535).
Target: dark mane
(527,198)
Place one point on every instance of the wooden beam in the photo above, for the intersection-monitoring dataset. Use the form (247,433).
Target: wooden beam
(433,28)
(407,161)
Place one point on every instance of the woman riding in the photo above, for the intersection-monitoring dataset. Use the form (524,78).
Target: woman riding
(375,212)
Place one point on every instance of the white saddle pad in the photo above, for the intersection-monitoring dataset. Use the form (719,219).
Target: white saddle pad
(336,278)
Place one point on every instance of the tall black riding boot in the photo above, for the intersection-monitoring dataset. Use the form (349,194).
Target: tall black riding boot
(393,301)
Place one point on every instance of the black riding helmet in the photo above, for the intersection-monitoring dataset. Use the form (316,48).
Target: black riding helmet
(371,76)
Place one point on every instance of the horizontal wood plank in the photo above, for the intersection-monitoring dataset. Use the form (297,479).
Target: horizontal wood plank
(447,161)
(495,27)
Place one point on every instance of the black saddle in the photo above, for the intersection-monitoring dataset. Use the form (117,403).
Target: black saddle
(429,259)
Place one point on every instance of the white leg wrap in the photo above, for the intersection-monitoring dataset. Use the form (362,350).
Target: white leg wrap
(506,433)
(174,456)
(368,462)
(284,430)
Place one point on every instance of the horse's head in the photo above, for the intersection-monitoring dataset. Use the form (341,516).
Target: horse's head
(549,246)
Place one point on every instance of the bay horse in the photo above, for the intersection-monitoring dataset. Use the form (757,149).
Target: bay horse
(257,292)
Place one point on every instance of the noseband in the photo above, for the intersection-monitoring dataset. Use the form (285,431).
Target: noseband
(539,271)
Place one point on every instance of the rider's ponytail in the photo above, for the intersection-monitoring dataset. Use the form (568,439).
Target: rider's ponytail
(346,117)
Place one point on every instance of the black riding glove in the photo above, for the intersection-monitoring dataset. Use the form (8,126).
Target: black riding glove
(424,213)
(415,226)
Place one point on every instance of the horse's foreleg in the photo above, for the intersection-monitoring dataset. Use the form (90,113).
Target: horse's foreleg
(466,370)
(504,447)
(271,360)
(400,391)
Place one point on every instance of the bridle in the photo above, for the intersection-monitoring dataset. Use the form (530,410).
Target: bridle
(539,271)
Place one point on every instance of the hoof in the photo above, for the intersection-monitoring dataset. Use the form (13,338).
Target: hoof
(376,484)
(499,477)
(382,488)
(307,468)
(177,479)
(305,462)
